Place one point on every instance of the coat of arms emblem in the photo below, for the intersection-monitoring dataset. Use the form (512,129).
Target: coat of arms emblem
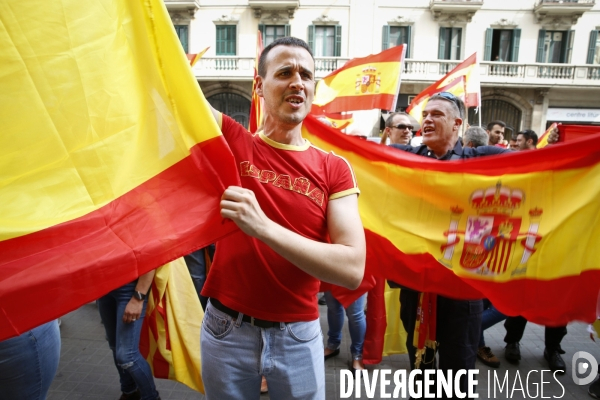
(369,81)
(491,236)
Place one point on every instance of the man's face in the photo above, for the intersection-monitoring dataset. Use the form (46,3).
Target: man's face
(512,144)
(440,126)
(400,136)
(522,144)
(288,86)
(496,134)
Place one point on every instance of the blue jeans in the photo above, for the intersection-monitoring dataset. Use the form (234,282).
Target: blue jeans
(357,324)
(489,318)
(124,341)
(236,354)
(29,362)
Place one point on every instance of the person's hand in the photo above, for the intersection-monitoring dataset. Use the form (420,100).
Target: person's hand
(133,310)
(553,136)
(240,206)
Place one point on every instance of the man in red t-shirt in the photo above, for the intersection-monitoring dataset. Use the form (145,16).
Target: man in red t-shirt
(297,211)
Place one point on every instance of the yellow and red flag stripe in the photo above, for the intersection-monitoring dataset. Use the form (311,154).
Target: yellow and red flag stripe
(362,84)
(112,163)
(454,214)
(170,337)
(256,105)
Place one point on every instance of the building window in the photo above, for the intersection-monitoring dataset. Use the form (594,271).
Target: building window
(502,44)
(554,46)
(182,34)
(270,33)
(232,104)
(450,42)
(325,41)
(395,36)
(226,40)
(594,49)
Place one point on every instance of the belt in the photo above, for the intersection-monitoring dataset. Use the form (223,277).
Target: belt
(261,323)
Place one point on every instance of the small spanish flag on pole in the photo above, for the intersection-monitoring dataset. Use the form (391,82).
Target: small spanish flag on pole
(366,83)
(256,106)
(462,81)
(193,58)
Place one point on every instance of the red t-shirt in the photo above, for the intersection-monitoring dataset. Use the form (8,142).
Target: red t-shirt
(293,185)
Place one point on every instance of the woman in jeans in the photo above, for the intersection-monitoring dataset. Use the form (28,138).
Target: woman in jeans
(357,325)
(28,363)
(122,312)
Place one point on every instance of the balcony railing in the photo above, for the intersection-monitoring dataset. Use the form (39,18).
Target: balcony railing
(497,73)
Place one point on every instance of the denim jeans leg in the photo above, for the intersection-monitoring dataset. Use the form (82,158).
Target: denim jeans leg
(231,357)
(235,354)
(29,362)
(335,321)
(293,361)
(357,325)
(107,307)
(490,317)
(196,264)
(133,368)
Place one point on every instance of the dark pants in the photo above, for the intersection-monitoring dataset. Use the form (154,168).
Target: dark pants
(515,326)
(196,263)
(458,328)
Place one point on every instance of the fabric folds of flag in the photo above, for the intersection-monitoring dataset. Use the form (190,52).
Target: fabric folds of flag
(462,81)
(362,84)
(170,338)
(433,226)
(256,105)
(112,163)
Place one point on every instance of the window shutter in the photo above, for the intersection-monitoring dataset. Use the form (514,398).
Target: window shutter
(287,30)
(487,50)
(540,50)
(592,48)
(385,37)
(311,37)
(442,46)
(458,54)
(516,39)
(408,40)
(568,47)
(338,41)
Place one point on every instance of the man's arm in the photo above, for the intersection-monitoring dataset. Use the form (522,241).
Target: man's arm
(133,309)
(341,262)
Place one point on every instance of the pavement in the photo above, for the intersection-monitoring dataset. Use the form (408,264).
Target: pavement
(86,369)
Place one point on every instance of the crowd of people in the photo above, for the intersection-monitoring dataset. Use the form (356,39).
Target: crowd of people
(261,323)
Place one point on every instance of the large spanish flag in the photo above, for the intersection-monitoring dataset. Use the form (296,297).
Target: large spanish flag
(462,81)
(527,236)
(362,84)
(111,161)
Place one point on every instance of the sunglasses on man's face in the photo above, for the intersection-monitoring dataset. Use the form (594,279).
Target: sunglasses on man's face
(403,127)
(447,96)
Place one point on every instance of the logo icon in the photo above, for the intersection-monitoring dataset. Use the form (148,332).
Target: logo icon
(580,367)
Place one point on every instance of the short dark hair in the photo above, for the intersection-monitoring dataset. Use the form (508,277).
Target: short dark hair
(529,134)
(497,122)
(477,136)
(451,98)
(284,41)
(390,118)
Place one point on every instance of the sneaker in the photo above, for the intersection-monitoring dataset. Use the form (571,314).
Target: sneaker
(131,396)
(487,357)
(512,353)
(322,301)
(555,361)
